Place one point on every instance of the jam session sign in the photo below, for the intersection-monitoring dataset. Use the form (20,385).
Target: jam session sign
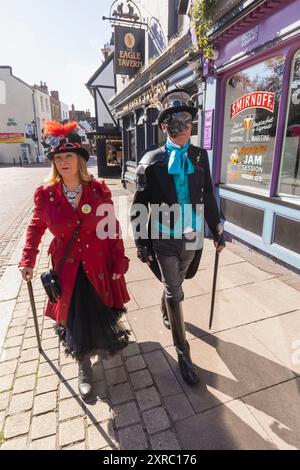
(129,50)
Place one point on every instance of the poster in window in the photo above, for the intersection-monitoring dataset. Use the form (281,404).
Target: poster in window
(251,111)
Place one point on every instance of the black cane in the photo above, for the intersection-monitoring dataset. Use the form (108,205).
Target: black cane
(214,289)
(30,290)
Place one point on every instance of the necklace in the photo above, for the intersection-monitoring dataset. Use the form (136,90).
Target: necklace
(71,195)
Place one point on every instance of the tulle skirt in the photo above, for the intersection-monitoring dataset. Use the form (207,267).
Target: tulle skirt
(92,327)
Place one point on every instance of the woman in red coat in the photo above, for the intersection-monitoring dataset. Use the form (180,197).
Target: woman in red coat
(93,289)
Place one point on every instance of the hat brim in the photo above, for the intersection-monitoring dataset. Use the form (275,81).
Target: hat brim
(81,151)
(176,109)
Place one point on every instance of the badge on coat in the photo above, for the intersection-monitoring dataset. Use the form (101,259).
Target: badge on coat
(86,209)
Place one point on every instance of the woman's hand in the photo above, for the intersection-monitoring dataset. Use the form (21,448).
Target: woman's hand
(116,277)
(27,273)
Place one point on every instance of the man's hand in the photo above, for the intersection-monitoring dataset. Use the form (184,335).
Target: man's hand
(144,254)
(219,239)
(116,277)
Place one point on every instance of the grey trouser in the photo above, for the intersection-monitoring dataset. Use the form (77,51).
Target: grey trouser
(173,261)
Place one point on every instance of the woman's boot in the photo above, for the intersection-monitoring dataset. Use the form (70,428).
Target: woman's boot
(85,385)
(187,368)
(164,311)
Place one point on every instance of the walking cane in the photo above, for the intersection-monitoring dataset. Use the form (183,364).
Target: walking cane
(214,289)
(30,290)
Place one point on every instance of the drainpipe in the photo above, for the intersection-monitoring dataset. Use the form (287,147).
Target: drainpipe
(36,126)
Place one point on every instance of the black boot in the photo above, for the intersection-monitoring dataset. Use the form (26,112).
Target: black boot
(187,368)
(164,311)
(85,379)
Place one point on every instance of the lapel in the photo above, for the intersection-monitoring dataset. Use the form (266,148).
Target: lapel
(194,154)
(166,181)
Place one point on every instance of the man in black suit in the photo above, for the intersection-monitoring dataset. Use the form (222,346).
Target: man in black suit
(174,194)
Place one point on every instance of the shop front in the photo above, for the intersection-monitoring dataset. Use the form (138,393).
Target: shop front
(109,149)
(137,106)
(257,139)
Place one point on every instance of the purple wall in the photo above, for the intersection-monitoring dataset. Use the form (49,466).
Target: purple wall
(268,28)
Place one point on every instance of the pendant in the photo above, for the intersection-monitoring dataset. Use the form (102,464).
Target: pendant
(86,209)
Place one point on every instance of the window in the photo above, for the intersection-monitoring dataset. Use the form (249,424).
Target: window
(289,183)
(42,103)
(131,145)
(47,104)
(2,92)
(251,111)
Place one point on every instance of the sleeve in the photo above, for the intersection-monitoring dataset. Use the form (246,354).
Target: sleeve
(211,210)
(120,261)
(35,230)
(139,212)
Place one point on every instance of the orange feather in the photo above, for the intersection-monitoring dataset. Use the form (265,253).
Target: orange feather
(57,129)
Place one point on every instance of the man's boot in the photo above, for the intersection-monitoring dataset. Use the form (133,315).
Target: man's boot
(187,368)
(164,311)
(85,378)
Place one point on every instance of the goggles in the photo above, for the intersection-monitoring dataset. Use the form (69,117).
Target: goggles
(55,143)
(69,146)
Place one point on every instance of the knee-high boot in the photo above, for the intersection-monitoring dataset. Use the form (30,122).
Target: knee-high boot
(175,313)
(85,385)
(164,311)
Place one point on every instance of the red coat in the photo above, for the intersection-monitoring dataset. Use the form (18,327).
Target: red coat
(100,257)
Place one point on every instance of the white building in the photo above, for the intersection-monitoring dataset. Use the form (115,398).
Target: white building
(42,112)
(17,119)
(64,111)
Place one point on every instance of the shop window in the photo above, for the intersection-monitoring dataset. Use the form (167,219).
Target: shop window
(114,152)
(289,183)
(131,145)
(251,111)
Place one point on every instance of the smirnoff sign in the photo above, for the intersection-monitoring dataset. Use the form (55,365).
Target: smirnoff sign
(258,99)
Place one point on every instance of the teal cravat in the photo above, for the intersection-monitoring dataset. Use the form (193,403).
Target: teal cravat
(177,156)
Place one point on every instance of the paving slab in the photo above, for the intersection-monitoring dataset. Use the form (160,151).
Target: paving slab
(277,410)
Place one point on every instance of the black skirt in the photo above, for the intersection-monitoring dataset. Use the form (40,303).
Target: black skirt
(92,327)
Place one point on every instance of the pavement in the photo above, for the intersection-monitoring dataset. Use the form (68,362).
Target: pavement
(249,363)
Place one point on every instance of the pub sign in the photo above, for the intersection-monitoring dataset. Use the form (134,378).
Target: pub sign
(129,50)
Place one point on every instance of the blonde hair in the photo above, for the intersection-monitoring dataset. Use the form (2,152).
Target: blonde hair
(84,175)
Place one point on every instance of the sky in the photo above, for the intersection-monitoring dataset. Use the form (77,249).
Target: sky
(55,41)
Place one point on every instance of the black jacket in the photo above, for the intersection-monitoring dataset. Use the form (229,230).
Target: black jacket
(154,185)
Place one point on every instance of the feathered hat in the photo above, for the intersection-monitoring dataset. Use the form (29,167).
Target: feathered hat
(62,138)
(176,101)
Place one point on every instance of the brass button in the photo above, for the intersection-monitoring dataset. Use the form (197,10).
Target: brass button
(78,239)
(101,276)
(87,246)
(70,260)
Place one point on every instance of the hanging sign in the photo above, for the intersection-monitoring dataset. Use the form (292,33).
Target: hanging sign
(129,50)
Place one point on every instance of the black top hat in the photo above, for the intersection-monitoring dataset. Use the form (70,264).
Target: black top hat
(176,101)
(62,138)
